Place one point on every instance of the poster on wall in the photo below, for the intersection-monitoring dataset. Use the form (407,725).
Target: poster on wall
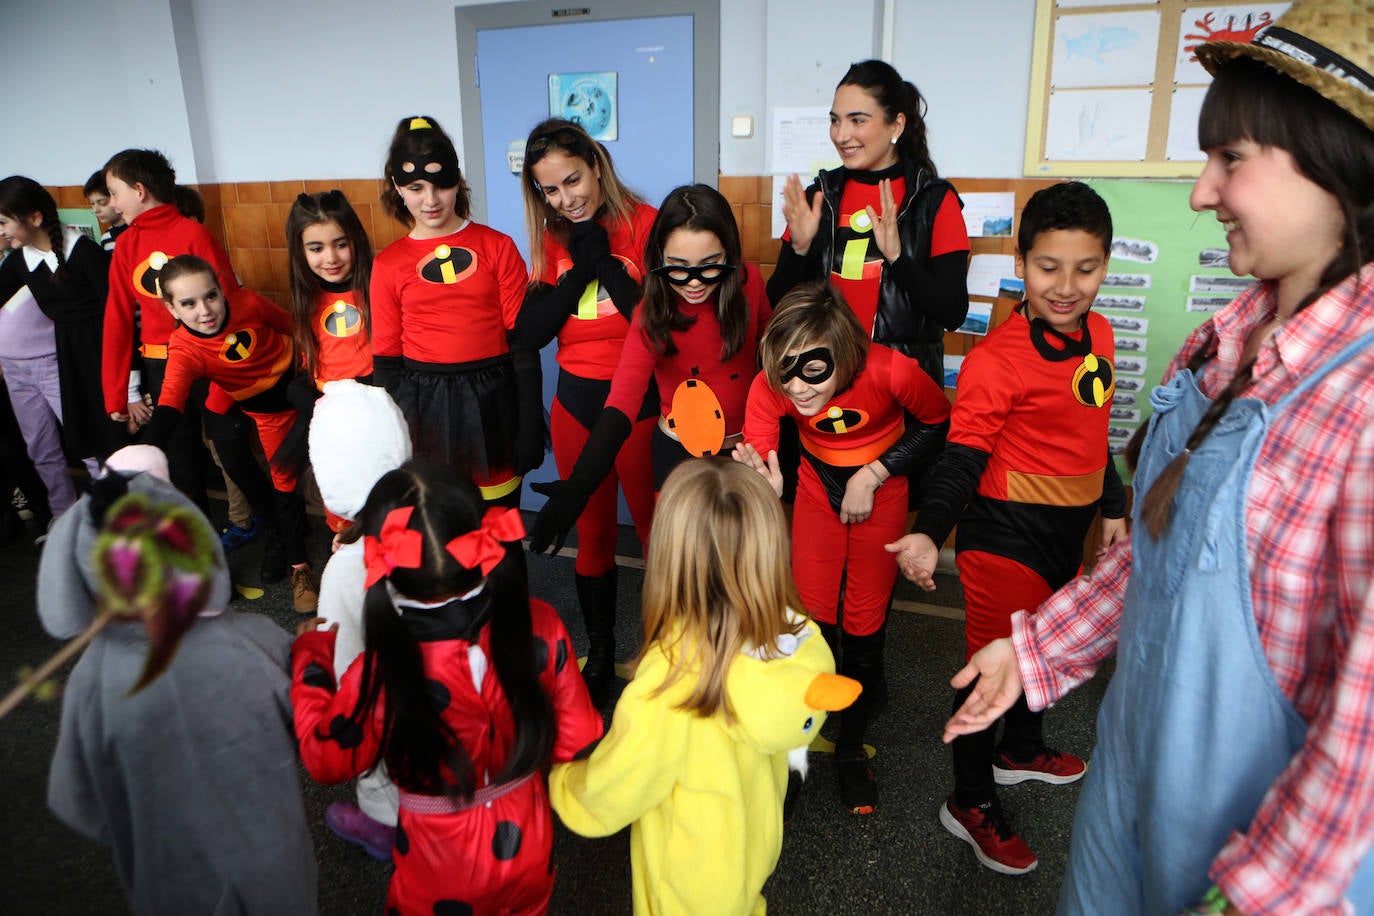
(1164,279)
(588,100)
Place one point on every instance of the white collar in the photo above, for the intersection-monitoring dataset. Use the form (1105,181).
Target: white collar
(34,256)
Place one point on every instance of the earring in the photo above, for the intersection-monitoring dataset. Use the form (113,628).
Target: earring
(894,141)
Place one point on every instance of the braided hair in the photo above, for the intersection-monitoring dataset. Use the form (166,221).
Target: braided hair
(21,198)
(1249,100)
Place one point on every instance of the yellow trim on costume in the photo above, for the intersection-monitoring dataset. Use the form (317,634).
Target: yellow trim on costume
(852,263)
(586,303)
(496,491)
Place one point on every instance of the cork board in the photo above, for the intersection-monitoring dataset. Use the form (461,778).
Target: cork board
(1115,89)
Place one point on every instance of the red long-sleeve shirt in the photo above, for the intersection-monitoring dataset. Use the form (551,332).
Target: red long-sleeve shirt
(246,357)
(449,299)
(153,238)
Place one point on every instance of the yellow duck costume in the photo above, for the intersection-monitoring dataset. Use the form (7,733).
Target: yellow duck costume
(704,795)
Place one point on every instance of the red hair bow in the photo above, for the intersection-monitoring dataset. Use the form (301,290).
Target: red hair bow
(481,549)
(397,547)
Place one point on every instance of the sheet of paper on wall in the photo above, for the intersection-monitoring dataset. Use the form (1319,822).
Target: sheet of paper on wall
(1110,125)
(799,139)
(978,318)
(1185,104)
(985,273)
(952,366)
(1198,24)
(989,214)
(1104,49)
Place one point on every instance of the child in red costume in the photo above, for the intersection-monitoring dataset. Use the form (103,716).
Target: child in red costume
(467,694)
(329,259)
(848,398)
(694,341)
(143,188)
(586,235)
(242,345)
(444,302)
(1028,457)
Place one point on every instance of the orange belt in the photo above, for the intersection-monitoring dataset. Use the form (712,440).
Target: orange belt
(853,456)
(153,351)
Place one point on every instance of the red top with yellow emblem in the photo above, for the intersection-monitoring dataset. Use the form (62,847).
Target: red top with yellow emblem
(449,299)
(249,355)
(153,238)
(590,341)
(343,347)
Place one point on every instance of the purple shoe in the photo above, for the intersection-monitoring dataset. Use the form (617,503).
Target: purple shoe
(348,822)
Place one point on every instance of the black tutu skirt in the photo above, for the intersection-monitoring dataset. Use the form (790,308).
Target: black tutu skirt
(464,415)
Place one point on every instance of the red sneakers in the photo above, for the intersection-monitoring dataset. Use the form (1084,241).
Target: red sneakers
(1047,766)
(994,842)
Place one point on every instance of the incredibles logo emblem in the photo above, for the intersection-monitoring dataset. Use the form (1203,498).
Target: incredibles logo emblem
(146,274)
(840,420)
(858,259)
(1093,381)
(446,266)
(595,302)
(342,319)
(238,346)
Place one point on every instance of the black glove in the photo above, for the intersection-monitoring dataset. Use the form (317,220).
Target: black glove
(567,498)
(530,435)
(589,246)
(619,285)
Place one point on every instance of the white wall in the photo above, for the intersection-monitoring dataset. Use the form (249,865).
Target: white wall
(256,90)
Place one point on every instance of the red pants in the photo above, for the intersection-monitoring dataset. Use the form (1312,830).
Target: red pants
(272,429)
(633,471)
(827,553)
(994,589)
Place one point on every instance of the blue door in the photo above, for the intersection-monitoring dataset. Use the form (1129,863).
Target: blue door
(654,146)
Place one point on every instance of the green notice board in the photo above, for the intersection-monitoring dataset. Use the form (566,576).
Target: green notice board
(1168,272)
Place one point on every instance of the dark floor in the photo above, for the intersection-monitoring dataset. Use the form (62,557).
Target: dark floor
(899,860)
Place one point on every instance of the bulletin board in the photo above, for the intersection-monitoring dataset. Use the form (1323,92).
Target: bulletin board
(1115,88)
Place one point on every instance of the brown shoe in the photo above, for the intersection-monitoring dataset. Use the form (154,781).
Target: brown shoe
(304,596)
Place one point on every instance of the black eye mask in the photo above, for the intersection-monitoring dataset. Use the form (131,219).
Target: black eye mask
(681,275)
(793,367)
(438,166)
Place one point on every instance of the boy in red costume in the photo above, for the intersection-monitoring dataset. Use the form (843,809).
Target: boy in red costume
(242,343)
(1028,456)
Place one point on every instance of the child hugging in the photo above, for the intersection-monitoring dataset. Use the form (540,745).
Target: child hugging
(848,398)
(731,678)
(467,690)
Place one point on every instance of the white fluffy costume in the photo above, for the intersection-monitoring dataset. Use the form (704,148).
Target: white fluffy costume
(357,435)
(191,780)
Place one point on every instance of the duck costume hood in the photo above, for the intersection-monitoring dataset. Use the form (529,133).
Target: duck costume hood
(357,435)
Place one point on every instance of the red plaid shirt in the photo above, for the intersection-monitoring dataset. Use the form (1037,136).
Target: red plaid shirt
(1310,527)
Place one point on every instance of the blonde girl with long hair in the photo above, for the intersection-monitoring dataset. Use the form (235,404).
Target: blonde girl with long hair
(731,678)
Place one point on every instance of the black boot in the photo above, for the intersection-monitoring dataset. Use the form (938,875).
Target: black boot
(862,660)
(273,568)
(597,596)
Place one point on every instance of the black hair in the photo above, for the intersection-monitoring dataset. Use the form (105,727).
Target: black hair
(421,751)
(22,197)
(96,185)
(895,96)
(189,202)
(147,167)
(307,211)
(701,208)
(418,145)
(1249,100)
(1067,205)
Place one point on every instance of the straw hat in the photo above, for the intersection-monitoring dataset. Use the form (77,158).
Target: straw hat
(1327,45)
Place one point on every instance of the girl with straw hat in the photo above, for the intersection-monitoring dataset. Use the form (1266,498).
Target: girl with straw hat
(1233,768)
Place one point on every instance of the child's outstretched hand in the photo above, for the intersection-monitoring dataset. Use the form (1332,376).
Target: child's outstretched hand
(916,558)
(746,454)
